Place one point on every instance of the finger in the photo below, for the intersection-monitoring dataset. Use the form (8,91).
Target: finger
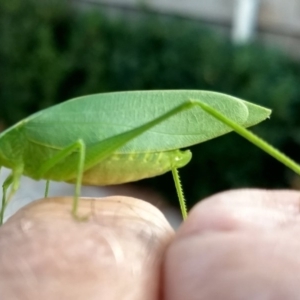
(115,254)
(243,209)
(237,245)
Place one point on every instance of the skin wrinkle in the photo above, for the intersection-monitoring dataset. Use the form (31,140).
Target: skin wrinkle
(50,255)
(27,274)
(23,264)
(135,223)
(149,239)
(256,209)
(269,218)
(115,247)
(144,231)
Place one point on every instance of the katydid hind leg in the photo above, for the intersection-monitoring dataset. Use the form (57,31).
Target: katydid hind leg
(254,139)
(251,137)
(60,156)
(180,194)
(248,135)
(105,148)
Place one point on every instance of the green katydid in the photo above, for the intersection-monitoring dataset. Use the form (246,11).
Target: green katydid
(120,137)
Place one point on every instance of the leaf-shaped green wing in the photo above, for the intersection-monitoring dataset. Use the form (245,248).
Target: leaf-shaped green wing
(97,117)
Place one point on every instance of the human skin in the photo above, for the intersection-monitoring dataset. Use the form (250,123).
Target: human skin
(236,245)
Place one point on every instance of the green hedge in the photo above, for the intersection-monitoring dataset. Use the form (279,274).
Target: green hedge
(50,52)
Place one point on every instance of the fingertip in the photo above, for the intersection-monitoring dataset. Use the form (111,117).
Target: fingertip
(236,245)
(115,253)
(243,209)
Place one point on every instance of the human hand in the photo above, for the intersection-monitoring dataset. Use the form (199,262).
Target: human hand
(235,245)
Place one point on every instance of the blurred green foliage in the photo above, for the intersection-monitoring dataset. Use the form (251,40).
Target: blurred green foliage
(51,52)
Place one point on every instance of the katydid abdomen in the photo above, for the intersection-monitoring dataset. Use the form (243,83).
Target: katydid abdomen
(115,169)
(122,168)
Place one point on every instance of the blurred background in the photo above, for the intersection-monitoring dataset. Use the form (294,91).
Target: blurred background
(51,51)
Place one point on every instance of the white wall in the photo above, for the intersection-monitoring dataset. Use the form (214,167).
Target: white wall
(278,20)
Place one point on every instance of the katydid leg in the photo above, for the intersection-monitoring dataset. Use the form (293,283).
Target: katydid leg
(5,186)
(13,181)
(251,137)
(47,188)
(60,156)
(180,194)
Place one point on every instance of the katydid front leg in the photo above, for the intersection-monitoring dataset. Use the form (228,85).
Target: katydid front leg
(61,155)
(13,181)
